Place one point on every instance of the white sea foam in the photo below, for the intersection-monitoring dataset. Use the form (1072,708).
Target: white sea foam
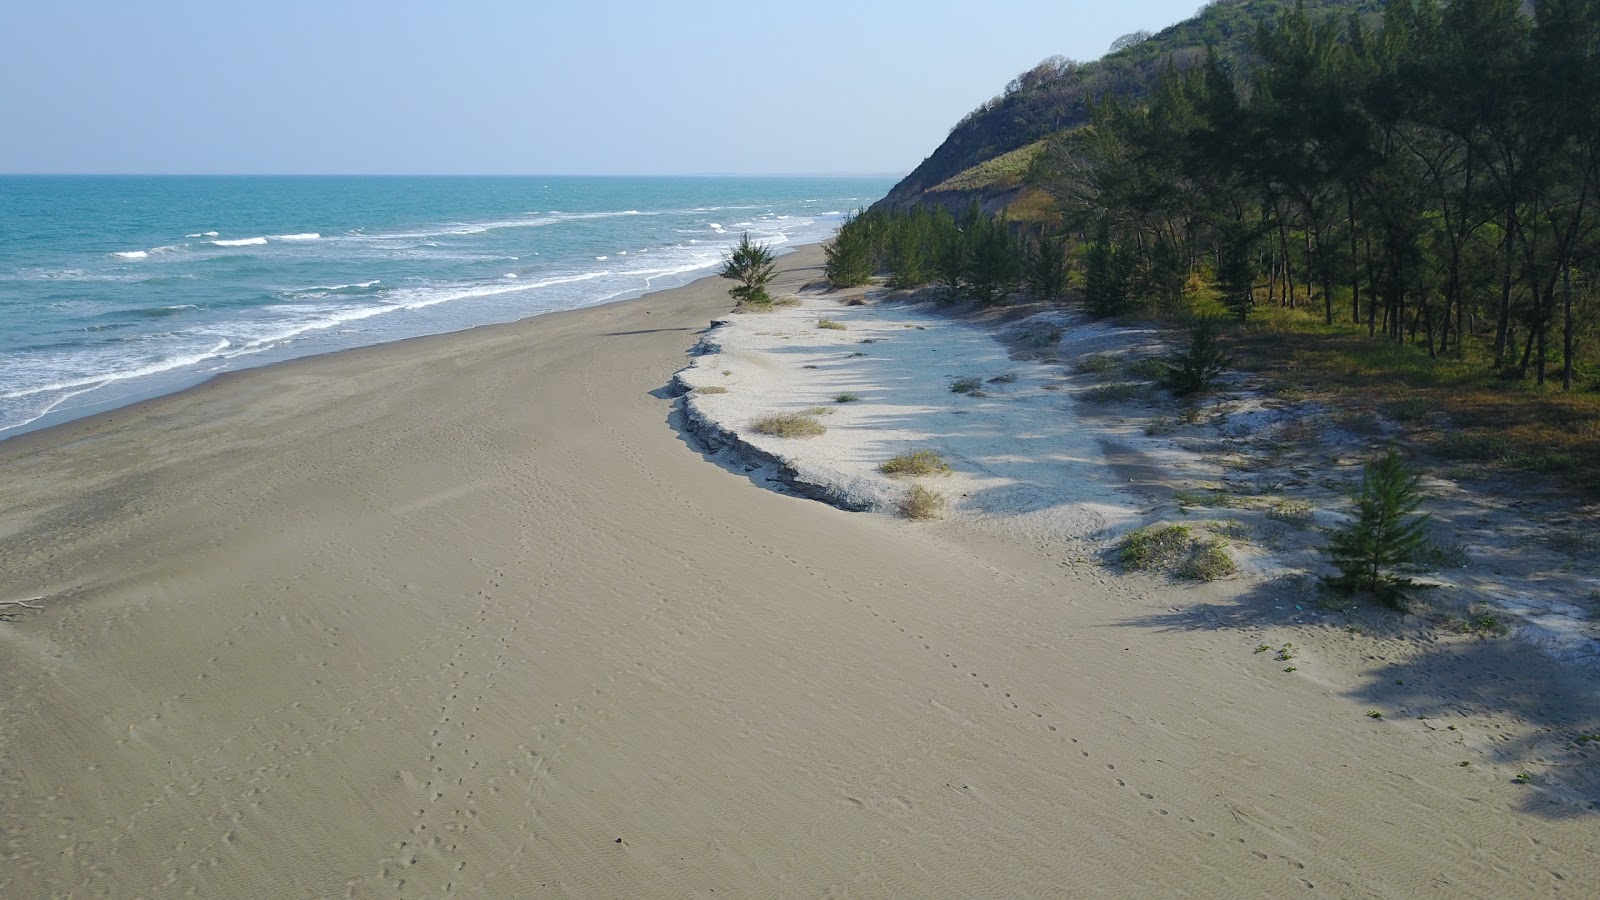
(241,242)
(131,254)
(307,236)
(601,258)
(534,220)
(94,381)
(509,275)
(202,234)
(329,288)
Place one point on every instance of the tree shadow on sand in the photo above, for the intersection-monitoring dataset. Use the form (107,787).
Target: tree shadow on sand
(1526,711)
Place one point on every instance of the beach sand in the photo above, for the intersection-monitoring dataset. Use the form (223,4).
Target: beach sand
(467,615)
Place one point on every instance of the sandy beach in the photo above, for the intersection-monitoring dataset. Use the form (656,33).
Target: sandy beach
(468,614)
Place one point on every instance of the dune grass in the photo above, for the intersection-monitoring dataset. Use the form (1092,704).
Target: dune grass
(915,462)
(788,425)
(921,503)
(1177,550)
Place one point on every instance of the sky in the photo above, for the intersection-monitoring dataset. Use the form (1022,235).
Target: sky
(533,87)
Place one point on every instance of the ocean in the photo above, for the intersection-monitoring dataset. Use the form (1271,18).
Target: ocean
(115,289)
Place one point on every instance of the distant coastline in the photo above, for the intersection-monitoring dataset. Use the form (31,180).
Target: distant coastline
(122,288)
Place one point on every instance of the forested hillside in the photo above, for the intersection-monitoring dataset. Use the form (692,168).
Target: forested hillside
(1058,93)
(1412,198)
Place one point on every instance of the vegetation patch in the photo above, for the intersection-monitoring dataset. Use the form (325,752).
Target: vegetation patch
(711,389)
(921,503)
(788,425)
(846,397)
(1386,540)
(1117,392)
(751,267)
(1214,498)
(915,462)
(966,385)
(1099,364)
(1147,367)
(1294,512)
(1177,550)
(830,325)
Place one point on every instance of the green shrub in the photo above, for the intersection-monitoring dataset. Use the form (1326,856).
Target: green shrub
(915,462)
(1386,538)
(1152,548)
(830,324)
(788,425)
(846,397)
(1197,368)
(751,266)
(965,385)
(921,503)
(1174,549)
(1117,393)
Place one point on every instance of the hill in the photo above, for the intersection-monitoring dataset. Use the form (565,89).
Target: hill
(987,152)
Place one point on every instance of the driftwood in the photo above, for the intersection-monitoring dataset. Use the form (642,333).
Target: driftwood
(25,604)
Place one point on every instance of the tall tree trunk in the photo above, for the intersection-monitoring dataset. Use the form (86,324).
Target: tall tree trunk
(1566,329)
(1504,321)
(1355,261)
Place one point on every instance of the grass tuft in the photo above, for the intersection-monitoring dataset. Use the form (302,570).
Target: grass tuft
(846,397)
(711,389)
(915,462)
(921,503)
(1101,364)
(1174,549)
(965,385)
(830,324)
(1117,392)
(788,425)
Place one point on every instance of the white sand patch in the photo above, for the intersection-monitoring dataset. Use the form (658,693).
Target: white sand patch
(1019,453)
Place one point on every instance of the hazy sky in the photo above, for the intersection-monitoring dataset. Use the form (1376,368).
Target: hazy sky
(537,87)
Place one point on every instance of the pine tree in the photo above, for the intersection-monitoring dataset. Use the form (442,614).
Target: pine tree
(1386,538)
(1047,267)
(1195,370)
(995,261)
(1106,272)
(750,264)
(849,254)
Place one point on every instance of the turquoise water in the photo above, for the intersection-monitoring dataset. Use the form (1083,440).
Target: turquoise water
(113,289)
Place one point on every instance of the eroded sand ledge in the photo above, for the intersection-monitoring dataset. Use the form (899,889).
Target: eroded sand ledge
(462,615)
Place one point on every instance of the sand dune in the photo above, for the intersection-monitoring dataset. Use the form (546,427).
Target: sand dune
(466,615)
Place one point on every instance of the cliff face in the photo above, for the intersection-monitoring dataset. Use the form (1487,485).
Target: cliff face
(1058,94)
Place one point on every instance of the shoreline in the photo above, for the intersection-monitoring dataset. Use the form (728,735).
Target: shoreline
(465,613)
(194,381)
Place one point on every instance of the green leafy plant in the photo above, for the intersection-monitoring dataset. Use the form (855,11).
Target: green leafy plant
(849,255)
(915,462)
(788,425)
(1197,369)
(921,503)
(1386,537)
(846,397)
(751,265)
